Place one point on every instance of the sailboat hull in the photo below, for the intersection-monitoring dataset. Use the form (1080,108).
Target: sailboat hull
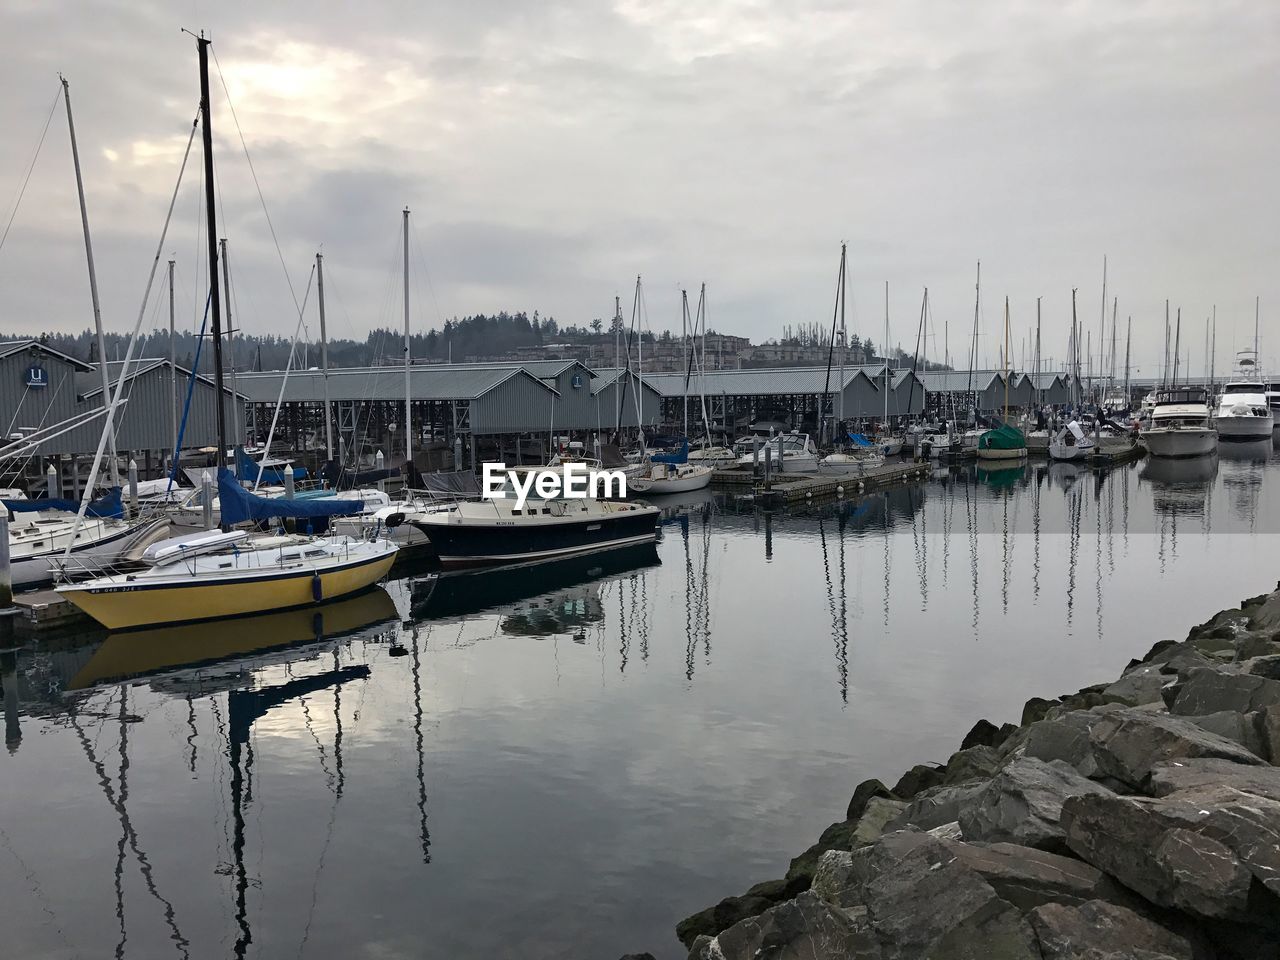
(119,604)
(985,453)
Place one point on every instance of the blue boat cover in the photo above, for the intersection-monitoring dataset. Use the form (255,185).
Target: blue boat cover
(858,440)
(238,505)
(108,505)
(676,456)
(272,476)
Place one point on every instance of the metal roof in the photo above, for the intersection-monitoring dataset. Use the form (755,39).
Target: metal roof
(93,387)
(763,381)
(16,346)
(434,382)
(607,376)
(959,381)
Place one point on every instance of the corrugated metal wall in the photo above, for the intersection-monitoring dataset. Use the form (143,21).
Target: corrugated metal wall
(520,404)
(27,409)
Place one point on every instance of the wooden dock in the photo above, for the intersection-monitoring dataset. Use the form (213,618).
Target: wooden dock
(45,612)
(800,487)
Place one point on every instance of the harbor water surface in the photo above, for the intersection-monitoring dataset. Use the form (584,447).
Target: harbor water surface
(565,761)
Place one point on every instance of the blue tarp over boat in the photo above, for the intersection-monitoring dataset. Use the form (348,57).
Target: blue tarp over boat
(238,505)
(860,440)
(675,456)
(108,505)
(272,476)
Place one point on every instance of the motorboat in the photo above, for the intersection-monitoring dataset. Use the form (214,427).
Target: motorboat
(798,452)
(713,456)
(500,531)
(662,478)
(1180,424)
(390,518)
(213,575)
(1244,409)
(1070,442)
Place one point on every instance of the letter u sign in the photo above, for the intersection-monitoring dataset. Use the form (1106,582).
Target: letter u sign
(37,377)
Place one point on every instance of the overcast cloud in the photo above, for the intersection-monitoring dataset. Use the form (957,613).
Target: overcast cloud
(552,151)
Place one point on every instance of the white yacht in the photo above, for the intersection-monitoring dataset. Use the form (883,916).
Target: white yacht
(798,452)
(1244,409)
(1180,424)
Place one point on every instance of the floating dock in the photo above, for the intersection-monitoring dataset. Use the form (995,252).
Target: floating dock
(798,487)
(45,612)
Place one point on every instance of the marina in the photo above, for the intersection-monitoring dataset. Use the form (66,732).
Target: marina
(523,736)
(446,509)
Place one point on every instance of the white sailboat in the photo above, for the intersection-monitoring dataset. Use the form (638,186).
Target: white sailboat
(1070,442)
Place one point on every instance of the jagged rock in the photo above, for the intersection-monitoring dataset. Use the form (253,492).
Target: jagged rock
(936,806)
(842,876)
(1211,691)
(1127,743)
(1103,931)
(806,928)
(1140,685)
(1223,625)
(947,831)
(1035,709)
(723,915)
(1170,777)
(1268,724)
(1194,849)
(864,792)
(1267,614)
(920,777)
(1027,877)
(984,734)
(639,956)
(847,835)
(1237,727)
(1065,738)
(1260,665)
(1257,645)
(975,763)
(1218,645)
(929,904)
(1023,803)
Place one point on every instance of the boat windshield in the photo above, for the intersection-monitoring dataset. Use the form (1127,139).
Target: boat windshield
(1253,388)
(1189,395)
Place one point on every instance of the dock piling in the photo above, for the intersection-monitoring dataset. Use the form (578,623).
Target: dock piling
(378,461)
(288,482)
(206,496)
(133,486)
(6,575)
(53,483)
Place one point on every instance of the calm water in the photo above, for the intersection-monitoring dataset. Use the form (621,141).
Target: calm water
(565,763)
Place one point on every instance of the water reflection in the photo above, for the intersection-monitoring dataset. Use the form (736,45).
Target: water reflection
(610,730)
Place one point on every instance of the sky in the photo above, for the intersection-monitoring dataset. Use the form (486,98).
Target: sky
(551,152)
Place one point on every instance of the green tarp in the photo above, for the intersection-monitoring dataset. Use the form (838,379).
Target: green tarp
(1003,437)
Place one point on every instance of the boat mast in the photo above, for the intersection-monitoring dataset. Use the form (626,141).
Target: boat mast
(215,302)
(324,360)
(1038,393)
(1177,346)
(617,358)
(231,346)
(688,356)
(1257,309)
(973,348)
(408,396)
(1111,370)
(93,284)
(173,370)
(1102,331)
(1128,339)
(844,292)
(884,421)
(1073,352)
(1164,372)
(1213,349)
(1006,358)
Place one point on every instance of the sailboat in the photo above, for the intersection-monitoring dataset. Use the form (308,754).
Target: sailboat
(1005,442)
(227,573)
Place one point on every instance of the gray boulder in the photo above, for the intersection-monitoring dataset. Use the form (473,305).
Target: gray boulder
(1204,850)
(1103,931)
(1140,685)
(1266,616)
(920,777)
(1023,804)
(1064,738)
(864,792)
(1211,691)
(806,928)
(1238,727)
(847,835)
(937,806)
(1171,776)
(842,876)
(1268,725)
(973,763)
(1128,743)
(1027,877)
(929,904)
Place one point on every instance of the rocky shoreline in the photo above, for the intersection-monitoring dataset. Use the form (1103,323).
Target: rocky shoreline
(1139,818)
